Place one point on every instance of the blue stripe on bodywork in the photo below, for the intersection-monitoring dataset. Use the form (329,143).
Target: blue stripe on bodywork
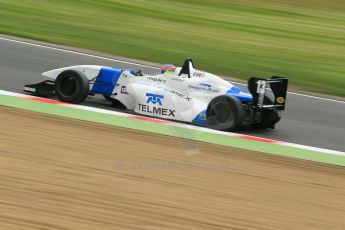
(106,81)
(241,94)
(200,119)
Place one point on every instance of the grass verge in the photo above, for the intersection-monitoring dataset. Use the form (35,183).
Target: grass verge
(178,132)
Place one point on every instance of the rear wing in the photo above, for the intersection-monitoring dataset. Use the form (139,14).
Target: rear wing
(258,87)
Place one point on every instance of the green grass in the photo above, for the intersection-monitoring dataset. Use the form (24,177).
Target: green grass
(301,39)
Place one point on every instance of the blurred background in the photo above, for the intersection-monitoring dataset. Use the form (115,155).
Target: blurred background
(299,39)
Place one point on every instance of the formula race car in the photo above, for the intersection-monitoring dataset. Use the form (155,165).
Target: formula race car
(182,94)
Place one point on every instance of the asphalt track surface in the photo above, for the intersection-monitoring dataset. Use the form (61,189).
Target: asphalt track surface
(307,120)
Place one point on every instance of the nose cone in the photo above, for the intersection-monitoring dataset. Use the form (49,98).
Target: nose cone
(241,94)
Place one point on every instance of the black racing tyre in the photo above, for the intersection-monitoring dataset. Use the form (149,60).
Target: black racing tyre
(72,86)
(269,117)
(225,113)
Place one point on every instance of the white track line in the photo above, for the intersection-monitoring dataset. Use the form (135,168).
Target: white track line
(315,97)
(75,52)
(317,149)
(137,64)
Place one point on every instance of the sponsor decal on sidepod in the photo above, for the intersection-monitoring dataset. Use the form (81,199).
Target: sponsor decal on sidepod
(156,79)
(203,86)
(156,99)
(178,94)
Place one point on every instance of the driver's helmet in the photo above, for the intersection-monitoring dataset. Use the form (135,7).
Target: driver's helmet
(168,69)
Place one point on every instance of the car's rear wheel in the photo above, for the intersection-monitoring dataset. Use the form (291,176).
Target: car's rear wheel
(225,113)
(72,86)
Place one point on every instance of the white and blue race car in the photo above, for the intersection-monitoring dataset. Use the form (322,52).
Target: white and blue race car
(182,94)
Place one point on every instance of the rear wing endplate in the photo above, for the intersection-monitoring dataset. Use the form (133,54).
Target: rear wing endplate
(258,88)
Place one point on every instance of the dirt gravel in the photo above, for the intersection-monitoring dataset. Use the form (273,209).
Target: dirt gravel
(58,173)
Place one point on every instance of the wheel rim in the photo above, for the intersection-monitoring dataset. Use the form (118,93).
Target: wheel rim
(69,86)
(221,113)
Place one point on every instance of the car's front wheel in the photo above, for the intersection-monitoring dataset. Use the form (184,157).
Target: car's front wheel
(72,86)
